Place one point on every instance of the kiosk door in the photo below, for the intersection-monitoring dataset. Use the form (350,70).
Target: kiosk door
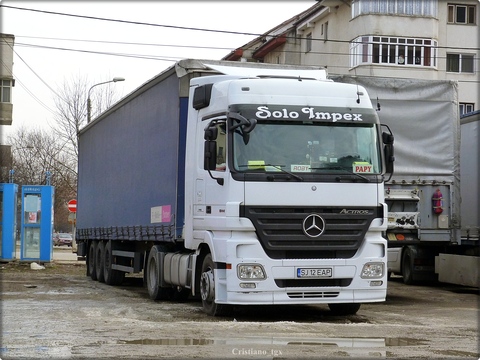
(37,223)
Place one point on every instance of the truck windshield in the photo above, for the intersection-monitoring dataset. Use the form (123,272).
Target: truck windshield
(308,147)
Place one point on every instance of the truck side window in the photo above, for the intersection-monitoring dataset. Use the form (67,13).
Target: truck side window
(221,147)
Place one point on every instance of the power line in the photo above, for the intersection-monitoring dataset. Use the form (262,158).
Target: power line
(166,58)
(173,59)
(33,95)
(139,56)
(128,43)
(207,30)
(22,85)
(130,22)
(39,77)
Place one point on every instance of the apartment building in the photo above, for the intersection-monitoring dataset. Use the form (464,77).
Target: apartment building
(424,39)
(6,78)
(6,106)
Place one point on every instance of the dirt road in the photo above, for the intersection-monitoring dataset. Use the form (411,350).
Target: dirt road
(59,313)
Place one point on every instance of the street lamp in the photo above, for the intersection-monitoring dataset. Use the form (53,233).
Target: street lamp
(89,103)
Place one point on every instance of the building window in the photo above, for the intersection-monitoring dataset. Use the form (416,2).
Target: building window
(461,14)
(393,51)
(325,32)
(425,8)
(6,91)
(460,63)
(466,108)
(309,42)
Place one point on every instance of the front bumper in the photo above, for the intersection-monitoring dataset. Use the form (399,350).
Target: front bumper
(282,286)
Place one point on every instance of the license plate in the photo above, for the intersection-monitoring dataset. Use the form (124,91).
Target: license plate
(314,273)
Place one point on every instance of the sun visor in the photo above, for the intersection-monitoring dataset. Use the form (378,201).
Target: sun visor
(245,71)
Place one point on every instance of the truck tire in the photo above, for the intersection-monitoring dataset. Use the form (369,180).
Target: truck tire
(99,255)
(154,273)
(92,251)
(111,276)
(344,309)
(407,267)
(207,290)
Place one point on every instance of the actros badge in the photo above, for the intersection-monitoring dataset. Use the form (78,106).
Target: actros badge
(313,225)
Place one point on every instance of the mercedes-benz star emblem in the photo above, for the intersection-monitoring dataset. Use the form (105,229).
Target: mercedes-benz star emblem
(313,225)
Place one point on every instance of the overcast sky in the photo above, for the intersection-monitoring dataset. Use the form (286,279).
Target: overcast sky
(44,58)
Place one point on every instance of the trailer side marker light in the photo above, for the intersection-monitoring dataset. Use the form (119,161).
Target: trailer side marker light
(400,237)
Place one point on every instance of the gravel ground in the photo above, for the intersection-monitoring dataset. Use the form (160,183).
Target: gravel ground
(58,312)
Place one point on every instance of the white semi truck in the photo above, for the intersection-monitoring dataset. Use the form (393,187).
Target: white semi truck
(239,184)
(433,195)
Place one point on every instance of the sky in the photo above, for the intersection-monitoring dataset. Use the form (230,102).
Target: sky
(44,56)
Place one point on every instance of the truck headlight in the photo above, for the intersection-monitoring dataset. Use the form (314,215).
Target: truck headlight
(250,271)
(373,270)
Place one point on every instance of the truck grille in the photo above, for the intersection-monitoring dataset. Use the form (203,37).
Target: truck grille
(280,230)
(316,294)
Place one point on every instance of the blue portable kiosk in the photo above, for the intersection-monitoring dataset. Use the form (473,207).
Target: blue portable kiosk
(8,223)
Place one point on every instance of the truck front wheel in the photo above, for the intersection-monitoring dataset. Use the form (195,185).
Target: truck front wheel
(207,290)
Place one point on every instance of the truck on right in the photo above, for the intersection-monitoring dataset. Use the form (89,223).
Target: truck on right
(433,194)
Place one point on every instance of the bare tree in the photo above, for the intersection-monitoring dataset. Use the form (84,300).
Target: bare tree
(71,107)
(38,158)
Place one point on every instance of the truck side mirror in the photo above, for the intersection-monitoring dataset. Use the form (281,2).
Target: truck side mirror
(210,155)
(210,150)
(388,150)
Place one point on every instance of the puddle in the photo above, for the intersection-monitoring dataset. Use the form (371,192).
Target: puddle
(277,346)
(338,342)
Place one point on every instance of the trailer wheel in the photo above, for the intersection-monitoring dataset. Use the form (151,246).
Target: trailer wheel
(407,267)
(92,251)
(207,290)
(153,272)
(344,309)
(99,255)
(112,276)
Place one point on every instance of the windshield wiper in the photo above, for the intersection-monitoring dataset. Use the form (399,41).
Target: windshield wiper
(342,169)
(279,167)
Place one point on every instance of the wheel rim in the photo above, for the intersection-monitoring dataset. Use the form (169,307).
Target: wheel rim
(207,289)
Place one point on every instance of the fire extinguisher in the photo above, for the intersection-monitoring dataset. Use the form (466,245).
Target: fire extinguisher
(437,201)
